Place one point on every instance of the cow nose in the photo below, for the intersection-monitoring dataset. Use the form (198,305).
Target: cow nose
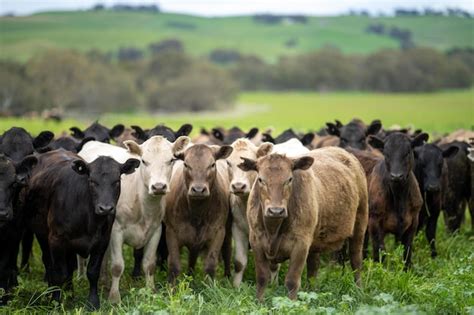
(198,189)
(432,188)
(276,211)
(4,214)
(159,188)
(106,208)
(239,186)
(396,177)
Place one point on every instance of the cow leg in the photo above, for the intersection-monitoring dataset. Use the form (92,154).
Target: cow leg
(174,264)
(227,247)
(295,269)
(26,249)
(117,265)
(45,256)
(356,241)
(241,241)
(162,251)
(274,271)
(138,259)
(212,256)
(71,266)
(365,250)
(262,272)
(81,267)
(149,258)
(378,242)
(312,264)
(192,259)
(59,272)
(431,223)
(407,240)
(93,272)
(5,272)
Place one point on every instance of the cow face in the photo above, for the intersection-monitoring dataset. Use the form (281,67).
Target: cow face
(12,178)
(98,132)
(104,180)
(354,134)
(162,130)
(275,181)
(240,181)
(429,163)
(158,157)
(200,169)
(398,153)
(18,143)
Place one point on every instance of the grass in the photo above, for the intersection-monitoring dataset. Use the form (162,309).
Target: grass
(434,112)
(444,285)
(22,37)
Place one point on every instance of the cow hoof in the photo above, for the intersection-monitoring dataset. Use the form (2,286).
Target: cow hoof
(94,303)
(114,298)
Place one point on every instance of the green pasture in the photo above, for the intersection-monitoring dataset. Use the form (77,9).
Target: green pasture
(438,112)
(23,37)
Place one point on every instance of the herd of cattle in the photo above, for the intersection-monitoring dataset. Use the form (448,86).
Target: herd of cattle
(292,196)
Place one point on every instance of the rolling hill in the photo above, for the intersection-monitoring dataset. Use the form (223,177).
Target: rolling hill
(22,37)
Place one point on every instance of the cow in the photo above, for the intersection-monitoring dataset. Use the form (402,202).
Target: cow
(98,132)
(394,196)
(354,134)
(288,134)
(197,207)
(72,205)
(13,176)
(162,130)
(16,143)
(431,174)
(220,136)
(457,195)
(302,206)
(140,208)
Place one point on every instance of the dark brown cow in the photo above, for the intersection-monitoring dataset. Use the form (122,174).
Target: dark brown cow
(301,207)
(197,208)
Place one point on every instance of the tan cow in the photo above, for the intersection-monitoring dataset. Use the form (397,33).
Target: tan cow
(303,206)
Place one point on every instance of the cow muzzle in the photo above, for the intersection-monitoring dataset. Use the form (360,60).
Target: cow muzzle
(6,214)
(276,212)
(239,188)
(158,189)
(103,209)
(198,192)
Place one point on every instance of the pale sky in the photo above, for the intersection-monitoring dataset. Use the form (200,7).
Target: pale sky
(238,7)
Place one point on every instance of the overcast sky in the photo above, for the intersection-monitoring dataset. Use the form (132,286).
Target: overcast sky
(236,7)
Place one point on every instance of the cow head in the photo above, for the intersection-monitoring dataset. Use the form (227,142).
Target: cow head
(162,130)
(18,143)
(397,149)
(200,169)
(429,164)
(241,182)
(354,134)
(104,180)
(12,178)
(275,181)
(98,132)
(158,157)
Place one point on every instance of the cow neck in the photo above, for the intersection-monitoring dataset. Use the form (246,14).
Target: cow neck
(399,196)
(199,209)
(272,228)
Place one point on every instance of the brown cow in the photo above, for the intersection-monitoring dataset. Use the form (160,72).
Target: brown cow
(298,209)
(197,207)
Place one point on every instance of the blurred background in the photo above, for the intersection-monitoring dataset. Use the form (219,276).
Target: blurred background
(266,63)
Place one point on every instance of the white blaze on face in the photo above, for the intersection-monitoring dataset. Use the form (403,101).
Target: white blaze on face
(158,157)
(241,182)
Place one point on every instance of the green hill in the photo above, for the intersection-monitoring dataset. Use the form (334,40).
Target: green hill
(22,37)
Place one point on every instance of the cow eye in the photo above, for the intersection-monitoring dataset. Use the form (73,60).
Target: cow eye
(260,180)
(172,160)
(290,180)
(186,165)
(229,164)
(145,163)
(213,165)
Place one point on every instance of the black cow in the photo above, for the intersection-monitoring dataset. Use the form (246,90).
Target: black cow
(16,143)
(13,176)
(73,208)
(354,134)
(431,172)
(162,130)
(458,193)
(288,134)
(98,132)
(229,136)
(394,196)
(67,143)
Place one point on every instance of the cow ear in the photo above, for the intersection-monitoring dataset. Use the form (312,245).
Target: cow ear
(129,166)
(185,130)
(43,139)
(23,170)
(77,133)
(252,133)
(450,152)
(83,142)
(204,131)
(376,142)
(80,167)
(332,129)
(222,152)
(302,163)
(374,127)
(338,123)
(133,147)
(266,137)
(116,131)
(264,149)
(419,140)
(139,133)
(218,134)
(307,138)
(180,144)
(247,165)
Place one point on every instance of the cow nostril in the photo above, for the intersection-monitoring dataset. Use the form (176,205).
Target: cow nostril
(198,189)
(394,176)
(276,210)
(104,208)
(239,186)
(158,187)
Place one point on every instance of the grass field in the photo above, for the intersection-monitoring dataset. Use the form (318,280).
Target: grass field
(434,112)
(444,285)
(21,37)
